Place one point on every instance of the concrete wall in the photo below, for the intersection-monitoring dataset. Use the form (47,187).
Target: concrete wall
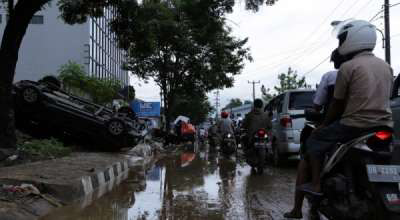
(47,46)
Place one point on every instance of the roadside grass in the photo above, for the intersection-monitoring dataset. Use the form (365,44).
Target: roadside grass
(45,148)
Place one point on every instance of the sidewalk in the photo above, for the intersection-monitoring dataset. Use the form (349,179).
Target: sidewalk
(66,180)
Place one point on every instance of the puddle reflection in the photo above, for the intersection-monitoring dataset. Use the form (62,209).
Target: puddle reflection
(192,186)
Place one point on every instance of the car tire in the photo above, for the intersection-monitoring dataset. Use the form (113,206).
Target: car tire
(30,95)
(116,127)
(52,82)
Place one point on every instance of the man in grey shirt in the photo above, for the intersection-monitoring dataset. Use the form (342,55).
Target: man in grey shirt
(361,98)
(225,125)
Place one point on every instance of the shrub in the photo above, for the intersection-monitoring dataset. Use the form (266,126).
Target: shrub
(102,91)
(48,148)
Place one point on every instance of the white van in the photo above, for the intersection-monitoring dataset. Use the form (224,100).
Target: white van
(287,110)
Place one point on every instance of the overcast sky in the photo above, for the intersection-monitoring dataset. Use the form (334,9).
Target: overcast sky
(296,34)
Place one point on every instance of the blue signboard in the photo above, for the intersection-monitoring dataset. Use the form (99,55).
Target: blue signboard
(146,109)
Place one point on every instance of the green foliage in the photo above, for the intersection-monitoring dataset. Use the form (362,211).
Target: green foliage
(195,106)
(233,103)
(102,91)
(289,81)
(47,148)
(183,45)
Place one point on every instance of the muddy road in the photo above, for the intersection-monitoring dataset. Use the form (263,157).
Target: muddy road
(199,184)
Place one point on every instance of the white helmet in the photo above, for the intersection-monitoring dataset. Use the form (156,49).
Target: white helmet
(355,35)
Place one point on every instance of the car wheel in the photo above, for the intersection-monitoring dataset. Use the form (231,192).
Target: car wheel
(30,95)
(51,82)
(116,127)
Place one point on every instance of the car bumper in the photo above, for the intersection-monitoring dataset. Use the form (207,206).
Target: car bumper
(291,148)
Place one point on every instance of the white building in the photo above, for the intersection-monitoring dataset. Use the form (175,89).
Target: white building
(50,43)
(240,111)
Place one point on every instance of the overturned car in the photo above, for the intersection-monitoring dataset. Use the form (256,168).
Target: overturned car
(43,105)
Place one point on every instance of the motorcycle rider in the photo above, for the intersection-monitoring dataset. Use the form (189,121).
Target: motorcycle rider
(322,99)
(255,120)
(225,125)
(361,98)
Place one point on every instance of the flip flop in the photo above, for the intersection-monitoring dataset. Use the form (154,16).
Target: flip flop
(293,215)
(307,188)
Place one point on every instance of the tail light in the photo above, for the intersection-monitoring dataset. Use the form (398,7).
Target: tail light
(261,133)
(383,135)
(286,121)
(380,140)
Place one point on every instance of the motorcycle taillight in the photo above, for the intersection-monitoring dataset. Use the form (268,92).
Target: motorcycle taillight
(261,133)
(383,135)
(380,139)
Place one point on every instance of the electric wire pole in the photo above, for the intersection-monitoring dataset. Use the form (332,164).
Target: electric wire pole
(254,88)
(387,31)
(216,103)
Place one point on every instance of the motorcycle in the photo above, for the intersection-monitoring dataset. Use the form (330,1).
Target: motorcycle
(228,144)
(256,153)
(359,179)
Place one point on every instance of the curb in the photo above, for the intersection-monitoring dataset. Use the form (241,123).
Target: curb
(95,181)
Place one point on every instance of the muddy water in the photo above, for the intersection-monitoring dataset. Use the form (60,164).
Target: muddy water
(201,185)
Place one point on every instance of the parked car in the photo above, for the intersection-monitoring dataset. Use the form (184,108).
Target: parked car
(395,105)
(48,107)
(287,114)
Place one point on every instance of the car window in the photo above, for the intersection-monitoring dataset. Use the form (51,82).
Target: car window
(301,100)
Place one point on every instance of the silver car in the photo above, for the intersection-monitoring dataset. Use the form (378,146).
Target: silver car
(287,113)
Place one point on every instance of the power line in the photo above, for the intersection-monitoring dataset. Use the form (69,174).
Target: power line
(361,9)
(352,6)
(326,18)
(314,68)
(310,47)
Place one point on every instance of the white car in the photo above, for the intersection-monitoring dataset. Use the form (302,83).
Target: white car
(287,110)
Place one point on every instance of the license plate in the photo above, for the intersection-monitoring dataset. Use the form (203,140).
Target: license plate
(383,173)
(260,145)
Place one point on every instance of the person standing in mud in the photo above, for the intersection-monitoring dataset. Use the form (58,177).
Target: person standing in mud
(322,99)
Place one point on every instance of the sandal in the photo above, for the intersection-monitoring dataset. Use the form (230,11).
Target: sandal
(307,188)
(291,214)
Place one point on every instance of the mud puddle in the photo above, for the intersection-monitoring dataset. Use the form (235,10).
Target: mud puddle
(201,185)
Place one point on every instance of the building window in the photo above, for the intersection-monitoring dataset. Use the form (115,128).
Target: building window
(37,19)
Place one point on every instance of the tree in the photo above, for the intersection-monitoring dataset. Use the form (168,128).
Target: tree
(289,80)
(234,103)
(247,102)
(183,45)
(196,106)
(73,11)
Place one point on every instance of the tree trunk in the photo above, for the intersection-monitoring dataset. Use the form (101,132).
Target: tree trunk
(12,38)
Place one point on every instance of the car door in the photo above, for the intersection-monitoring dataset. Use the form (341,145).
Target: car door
(277,111)
(395,105)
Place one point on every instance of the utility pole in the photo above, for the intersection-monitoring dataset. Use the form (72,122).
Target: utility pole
(254,88)
(387,31)
(216,103)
